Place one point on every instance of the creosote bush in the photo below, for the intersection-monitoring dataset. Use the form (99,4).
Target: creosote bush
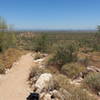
(40,43)
(72,69)
(62,54)
(93,81)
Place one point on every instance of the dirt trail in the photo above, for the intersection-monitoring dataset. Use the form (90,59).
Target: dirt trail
(13,86)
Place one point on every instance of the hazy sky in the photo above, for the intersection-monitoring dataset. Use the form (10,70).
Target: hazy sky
(51,14)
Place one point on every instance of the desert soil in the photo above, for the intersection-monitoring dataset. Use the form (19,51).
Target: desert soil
(14,85)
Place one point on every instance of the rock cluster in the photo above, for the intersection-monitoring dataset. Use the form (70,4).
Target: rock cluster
(44,85)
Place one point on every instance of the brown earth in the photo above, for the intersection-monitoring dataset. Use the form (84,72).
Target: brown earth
(13,85)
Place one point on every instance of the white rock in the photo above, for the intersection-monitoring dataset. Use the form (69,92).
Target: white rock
(43,82)
(57,94)
(77,81)
(93,69)
(39,60)
(7,71)
(47,97)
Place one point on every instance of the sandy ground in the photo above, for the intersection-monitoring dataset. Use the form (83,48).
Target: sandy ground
(13,85)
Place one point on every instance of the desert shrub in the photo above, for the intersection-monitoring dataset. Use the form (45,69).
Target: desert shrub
(62,54)
(2,69)
(83,59)
(96,43)
(87,44)
(90,45)
(93,81)
(7,40)
(10,56)
(86,49)
(80,94)
(72,69)
(76,93)
(35,71)
(40,43)
(61,81)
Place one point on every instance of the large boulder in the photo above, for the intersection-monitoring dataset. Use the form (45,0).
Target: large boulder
(44,82)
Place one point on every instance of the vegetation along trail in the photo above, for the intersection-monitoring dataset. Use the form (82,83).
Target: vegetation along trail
(13,85)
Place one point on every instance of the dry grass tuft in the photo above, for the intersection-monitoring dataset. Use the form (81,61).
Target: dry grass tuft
(93,81)
(72,69)
(10,56)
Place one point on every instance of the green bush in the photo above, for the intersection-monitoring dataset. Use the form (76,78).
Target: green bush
(3,24)
(40,43)
(93,81)
(72,69)
(63,54)
(7,40)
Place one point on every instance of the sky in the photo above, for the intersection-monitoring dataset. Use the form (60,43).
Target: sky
(51,14)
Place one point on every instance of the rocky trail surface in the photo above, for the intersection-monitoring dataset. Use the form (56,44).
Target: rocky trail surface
(13,85)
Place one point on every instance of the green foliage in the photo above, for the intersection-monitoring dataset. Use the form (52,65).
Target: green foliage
(62,54)
(7,40)
(96,42)
(43,41)
(98,28)
(40,43)
(93,81)
(88,44)
(3,24)
(72,69)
